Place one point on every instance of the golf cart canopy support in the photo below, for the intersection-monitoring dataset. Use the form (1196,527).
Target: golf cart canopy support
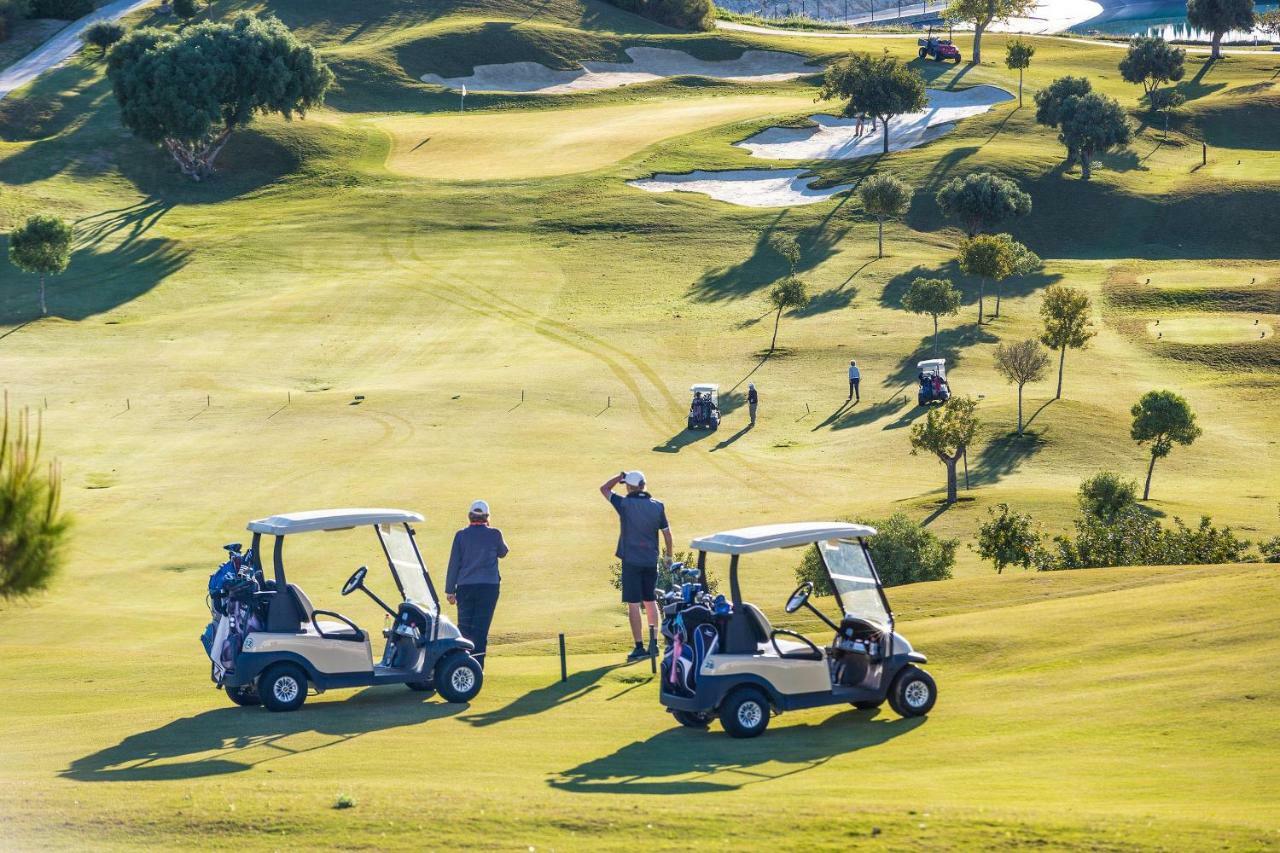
(749,540)
(330,519)
(933,365)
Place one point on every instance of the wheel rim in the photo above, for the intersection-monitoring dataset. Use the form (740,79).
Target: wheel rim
(462,679)
(916,694)
(285,688)
(750,714)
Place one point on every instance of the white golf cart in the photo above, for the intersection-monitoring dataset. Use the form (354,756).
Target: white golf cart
(732,663)
(704,410)
(280,647)
(934,387)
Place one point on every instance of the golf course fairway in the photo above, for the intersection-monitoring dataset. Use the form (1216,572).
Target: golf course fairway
(391,302)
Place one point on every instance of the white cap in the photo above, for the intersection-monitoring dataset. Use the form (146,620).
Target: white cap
(633,478)
(479,508)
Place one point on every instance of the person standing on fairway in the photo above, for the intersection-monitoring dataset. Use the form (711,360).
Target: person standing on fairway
(641,519)
(855,377)
(753,400)
(473,579)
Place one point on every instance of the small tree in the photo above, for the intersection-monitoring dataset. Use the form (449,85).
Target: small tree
(947,432)
(1094,124)
(1167,101)
(1051,103)
(1151,62)
(33,530)
(1017,56)
(884,197)
(1106,495)
(787,293)
(1162,419)
(1010,539)
(186,9)
(188,92)
(1220,17)
(1021,363)
(1269,22)
(903,551)
(984,13)
(981,200)
(103,34)
(41,246)
(786,247)
(1065,314)
(987,257)
(881,87)
(935,297)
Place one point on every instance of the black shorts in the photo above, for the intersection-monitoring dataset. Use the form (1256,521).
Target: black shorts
(638,582)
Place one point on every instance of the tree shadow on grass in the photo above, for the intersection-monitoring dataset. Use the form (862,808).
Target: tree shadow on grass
(232,740)
(542,699)
(1194,87)
(687,761)
(1002,455)
(951,345)
(50,104)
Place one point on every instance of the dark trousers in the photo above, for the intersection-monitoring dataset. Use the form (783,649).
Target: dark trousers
(476,603)
(853,388)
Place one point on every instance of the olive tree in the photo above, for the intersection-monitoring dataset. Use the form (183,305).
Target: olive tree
(786,247)
(1051,104)
(982,200)
(1162,419)
(103,34)
(41,246)
(1010,538)
(1106,495)
(1021,363)
(991,256)
(1093,124)
(878,86)
(188,91)
(33,529)
(1220,17)
(935,297)
(884,197)
(984,13)
(1151,62)
(946,432)
(186,9)
(1017,56)
(1065,315)
(787,293)
(1167,101)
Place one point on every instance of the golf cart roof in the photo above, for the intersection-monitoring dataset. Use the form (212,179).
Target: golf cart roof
(329,519)
(704,386)
(938,363)
(764,537)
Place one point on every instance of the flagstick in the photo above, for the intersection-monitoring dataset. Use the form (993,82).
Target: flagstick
(462,102)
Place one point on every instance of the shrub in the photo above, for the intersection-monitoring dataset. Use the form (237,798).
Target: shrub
(689,558)
(681,14)
(902,550)
(1011,539)
(103,34)
(33,530)
(186,9)
(1134,538)
(67,10)
(1106,494)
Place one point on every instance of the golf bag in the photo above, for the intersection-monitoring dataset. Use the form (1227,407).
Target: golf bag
(233,604)
(691,635)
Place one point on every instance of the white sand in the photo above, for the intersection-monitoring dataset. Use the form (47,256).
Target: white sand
(746,187)
(834,139)
(647,64)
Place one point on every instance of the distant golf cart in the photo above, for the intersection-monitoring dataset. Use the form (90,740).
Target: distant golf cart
(724,658)
(934,387)
(704,410)
(935,47)
(268,644)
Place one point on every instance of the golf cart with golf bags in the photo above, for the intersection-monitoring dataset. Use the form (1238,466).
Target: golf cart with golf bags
(268,644)
(934,387)
(704,411)
(724,659)
(935,47)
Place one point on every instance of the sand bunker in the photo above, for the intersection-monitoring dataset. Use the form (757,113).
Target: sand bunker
(747,187)
(647,64)
(1217,329)
(834,139)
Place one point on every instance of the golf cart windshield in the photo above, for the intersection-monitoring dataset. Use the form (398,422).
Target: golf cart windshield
(854,580)
(406,564)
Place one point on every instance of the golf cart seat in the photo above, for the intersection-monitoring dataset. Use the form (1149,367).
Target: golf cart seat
(747,630)
(343,630)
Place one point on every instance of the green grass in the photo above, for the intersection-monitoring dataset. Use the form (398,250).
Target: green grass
(522,324)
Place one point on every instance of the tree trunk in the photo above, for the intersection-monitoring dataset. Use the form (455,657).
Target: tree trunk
(979,27)
(1019,410)
(1086,162)
(1216,53)
(885,122)
(880,238)
(1062,360)
(44,309)
(982,287)
(1146,490)
(776,321)
(998,290)
(935,335)
(1019,88)
(950,462)
(196,161)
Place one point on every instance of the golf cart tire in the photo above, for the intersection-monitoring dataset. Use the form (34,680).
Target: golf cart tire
(692,719)
(913,692)
(427,687)
(923,53)
(745,713)
(245,697)
(283,687)
(868,705)
(459,678)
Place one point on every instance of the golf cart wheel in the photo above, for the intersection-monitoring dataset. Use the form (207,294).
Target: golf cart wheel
(745,713)
(283,687)
(923,53)
(692,719)
(426,687)
(246,696)
(868,705)
(937,57)
(459,678)
(692,425)
(913,692)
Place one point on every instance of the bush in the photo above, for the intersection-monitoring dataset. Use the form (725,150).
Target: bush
(67,10)
(689,558)
(681,14)
(186,9)
(903,552)
(1011,539)
(103,34)
(1105,495)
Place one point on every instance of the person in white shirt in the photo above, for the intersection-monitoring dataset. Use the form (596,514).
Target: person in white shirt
(855,376)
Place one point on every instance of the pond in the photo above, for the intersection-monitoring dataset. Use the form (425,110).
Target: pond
(1161,18)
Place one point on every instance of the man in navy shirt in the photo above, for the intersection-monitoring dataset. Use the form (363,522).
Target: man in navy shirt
(641,519)
(472,582)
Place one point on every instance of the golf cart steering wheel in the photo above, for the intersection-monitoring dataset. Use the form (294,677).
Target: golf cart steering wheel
(355,581)
(800,597)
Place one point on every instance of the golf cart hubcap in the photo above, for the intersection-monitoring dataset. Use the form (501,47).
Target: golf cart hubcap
(916,694)
(462,679)
(750,714)
(285,689)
